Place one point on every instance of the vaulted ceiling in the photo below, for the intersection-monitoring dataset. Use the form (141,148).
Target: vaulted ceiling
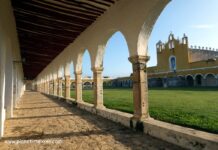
(46,27)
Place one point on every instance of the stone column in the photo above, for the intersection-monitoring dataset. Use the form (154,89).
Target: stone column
(67,87)
(140,87)
(98,87)
(48,87)
(55,87)
(2,91)
(41,87)
(78,86)
(60,86)
(37,87)
(44,87)
(67,80)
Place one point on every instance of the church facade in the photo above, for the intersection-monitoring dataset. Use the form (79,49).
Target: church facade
(179,65)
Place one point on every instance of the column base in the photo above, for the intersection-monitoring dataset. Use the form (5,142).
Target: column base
(99,107)
(140,118)
(137,123)
(79,101)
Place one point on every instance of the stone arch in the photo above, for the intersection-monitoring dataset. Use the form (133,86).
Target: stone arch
(181,80)
(189,75)
(104,84)
(205,76)
(63,85)
(72,70)
(159,82)
(198,79)
(198,74)
(190,80)
(79,59)
(146,28)
(60,71)
(87,85)
(72,85)
(210,79)
(180,76)
(89,57)
(99,56)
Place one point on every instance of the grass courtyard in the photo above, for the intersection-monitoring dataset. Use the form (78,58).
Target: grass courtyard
(192,107)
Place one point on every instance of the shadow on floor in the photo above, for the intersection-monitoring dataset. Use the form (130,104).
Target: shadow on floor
(124,135)
(37,117)
(23,108)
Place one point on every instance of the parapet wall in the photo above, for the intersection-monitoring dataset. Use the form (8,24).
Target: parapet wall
(200,54)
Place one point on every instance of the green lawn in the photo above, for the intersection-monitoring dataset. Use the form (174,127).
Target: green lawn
(192,107)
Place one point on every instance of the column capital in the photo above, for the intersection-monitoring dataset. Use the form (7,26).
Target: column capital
(139,62)
(67,76)
(97,69)
(78,72)
(139,59)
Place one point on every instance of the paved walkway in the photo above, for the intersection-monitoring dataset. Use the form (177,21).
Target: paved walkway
(51,124)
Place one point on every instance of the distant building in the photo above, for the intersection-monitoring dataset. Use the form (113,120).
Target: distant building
(88,82)
(179,65)
(118,82)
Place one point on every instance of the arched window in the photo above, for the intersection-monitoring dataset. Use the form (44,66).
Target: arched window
(198,80)
(172,63)
(190,81)
(210,80)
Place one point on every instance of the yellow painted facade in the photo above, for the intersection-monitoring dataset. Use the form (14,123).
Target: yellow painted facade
(188,61)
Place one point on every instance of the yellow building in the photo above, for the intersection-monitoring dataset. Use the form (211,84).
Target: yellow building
(178,65)
(181,65)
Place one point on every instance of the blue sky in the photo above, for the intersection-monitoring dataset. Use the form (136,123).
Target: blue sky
(198,19)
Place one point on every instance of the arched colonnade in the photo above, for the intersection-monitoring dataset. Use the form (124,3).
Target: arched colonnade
(135,21)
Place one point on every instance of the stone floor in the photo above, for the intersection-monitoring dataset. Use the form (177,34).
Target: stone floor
(43,123)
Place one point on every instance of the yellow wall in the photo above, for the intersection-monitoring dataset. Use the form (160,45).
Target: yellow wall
(184,64)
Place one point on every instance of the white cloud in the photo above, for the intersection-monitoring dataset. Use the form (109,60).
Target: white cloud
(203,26)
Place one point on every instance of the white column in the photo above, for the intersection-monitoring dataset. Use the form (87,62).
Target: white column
(9,86)
(2,90)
